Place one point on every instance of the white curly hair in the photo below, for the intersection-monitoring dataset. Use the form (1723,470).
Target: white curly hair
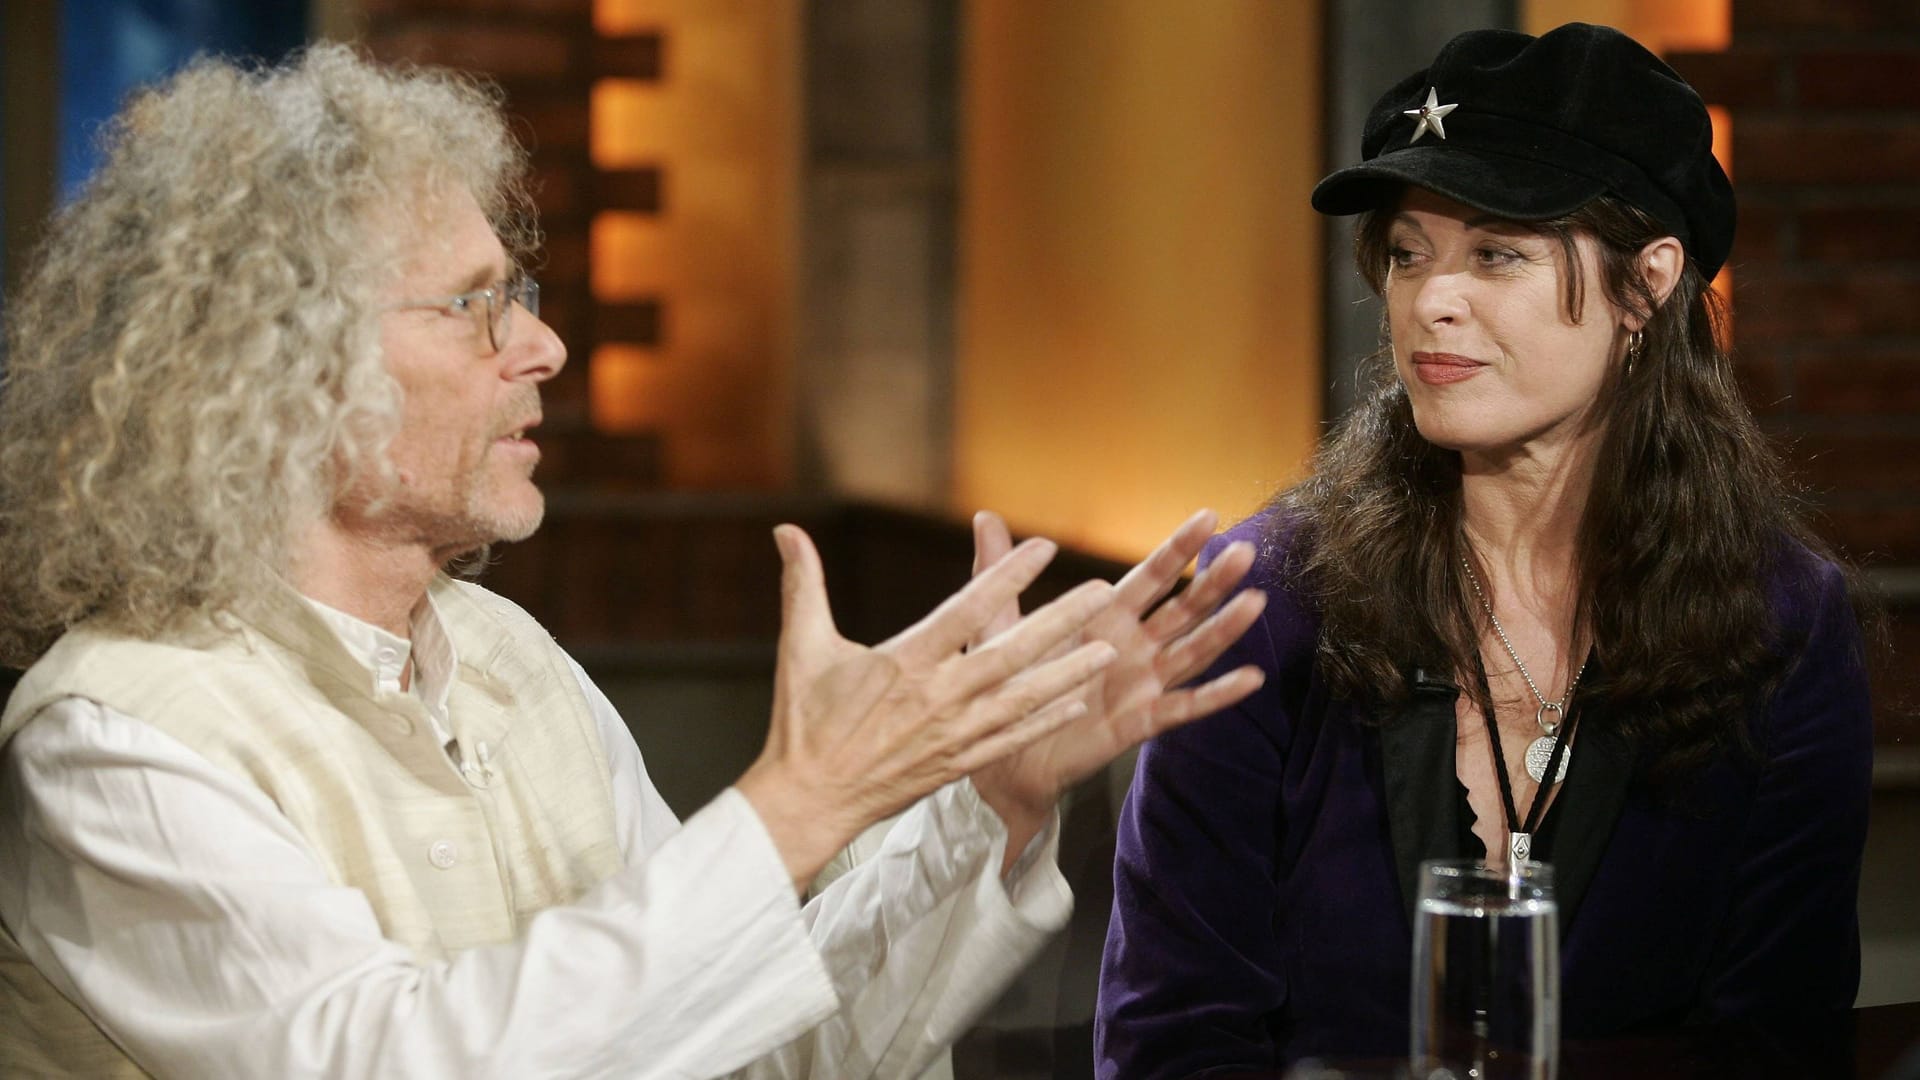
(194,366)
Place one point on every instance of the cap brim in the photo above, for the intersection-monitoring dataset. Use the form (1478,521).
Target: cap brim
(1511,187)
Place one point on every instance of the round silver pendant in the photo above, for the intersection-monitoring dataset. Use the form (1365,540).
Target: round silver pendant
(1539,752)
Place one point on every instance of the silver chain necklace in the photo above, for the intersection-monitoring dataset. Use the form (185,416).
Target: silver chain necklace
(1540,751)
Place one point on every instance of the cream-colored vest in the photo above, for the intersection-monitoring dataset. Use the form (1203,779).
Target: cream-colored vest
(448,859)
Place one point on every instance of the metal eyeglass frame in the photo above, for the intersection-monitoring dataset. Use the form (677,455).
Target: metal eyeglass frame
(498,299)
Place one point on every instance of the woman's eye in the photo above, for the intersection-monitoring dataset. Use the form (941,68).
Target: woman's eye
(1400,257)
(1497,256)
(460,305)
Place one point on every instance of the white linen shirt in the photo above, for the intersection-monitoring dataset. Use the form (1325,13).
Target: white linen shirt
(695,960)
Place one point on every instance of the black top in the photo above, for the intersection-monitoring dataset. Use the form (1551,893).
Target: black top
(1470,846)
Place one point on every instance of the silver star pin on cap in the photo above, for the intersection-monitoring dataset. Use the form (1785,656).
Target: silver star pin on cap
(1428,116)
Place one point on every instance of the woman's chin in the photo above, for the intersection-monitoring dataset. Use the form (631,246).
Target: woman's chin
(1447,435)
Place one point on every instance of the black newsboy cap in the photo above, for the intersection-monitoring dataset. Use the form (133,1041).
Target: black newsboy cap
(1532,128)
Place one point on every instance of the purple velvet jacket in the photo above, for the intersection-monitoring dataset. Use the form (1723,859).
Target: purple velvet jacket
(1264,880)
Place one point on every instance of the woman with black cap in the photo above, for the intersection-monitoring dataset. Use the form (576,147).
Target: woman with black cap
(1545,594)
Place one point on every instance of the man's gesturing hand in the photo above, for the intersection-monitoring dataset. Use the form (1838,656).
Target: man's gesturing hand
(1140,694)
(858,733)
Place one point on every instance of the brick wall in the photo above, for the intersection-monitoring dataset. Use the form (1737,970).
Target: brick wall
(1826,274)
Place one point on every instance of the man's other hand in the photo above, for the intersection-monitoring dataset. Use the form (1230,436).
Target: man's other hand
(1142,692)
(858,733)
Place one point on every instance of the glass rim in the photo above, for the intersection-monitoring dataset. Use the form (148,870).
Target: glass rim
(1531,870)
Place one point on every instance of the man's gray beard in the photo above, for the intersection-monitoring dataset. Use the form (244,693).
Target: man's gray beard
(509,529)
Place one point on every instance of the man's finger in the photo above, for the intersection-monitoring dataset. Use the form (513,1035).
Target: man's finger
(963,616)
(1157,574)
(1030,639)
(991,543)
(1178,707)
(804,612)
(1041,685)
(1183,612)
(1020,735)
(1192,654)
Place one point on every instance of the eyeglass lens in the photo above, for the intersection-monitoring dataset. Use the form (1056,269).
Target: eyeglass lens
(500,303)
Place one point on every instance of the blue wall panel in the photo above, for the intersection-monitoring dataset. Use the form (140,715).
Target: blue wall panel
(111,47)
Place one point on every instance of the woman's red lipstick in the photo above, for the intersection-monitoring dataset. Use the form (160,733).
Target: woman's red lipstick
(1439,369)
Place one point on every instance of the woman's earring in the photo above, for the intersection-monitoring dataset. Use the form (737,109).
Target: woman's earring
(1636,347)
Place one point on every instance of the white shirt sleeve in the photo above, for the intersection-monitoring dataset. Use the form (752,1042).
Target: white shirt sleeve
(921,937)
(918,935)
(194,924)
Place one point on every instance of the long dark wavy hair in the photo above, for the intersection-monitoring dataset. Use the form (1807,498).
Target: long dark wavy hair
(1688,508)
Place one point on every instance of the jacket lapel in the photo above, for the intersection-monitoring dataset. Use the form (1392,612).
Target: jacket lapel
(1422,794)
(1416,758)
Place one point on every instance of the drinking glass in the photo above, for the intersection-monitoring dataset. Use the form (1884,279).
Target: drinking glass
(1486,973)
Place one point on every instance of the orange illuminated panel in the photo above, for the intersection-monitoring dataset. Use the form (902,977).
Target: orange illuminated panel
(1661,25)
(623,113)
(1681,25)
(1723,151)
(611,17)
(1140,310)
(626,384)
(720,125)
(630,257)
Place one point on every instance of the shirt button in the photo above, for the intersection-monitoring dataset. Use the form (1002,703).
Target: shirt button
(442,854)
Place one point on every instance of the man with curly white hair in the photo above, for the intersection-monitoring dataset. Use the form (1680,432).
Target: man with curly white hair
(278,797)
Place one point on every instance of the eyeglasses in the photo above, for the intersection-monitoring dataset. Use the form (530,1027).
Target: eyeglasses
(495,302)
